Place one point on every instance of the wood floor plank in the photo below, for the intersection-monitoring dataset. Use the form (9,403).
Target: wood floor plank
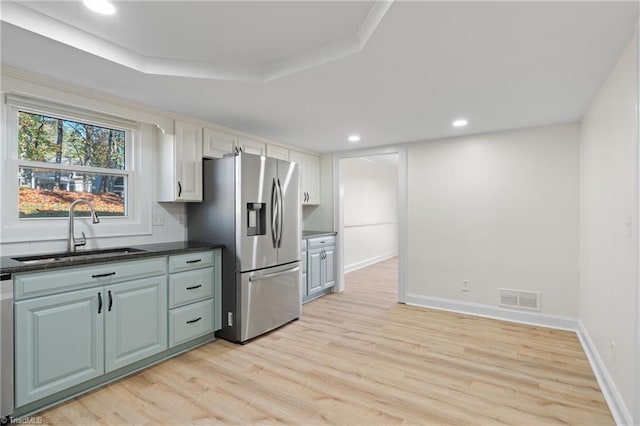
(360,358)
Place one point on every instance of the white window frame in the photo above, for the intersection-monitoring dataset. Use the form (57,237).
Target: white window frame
(138,201)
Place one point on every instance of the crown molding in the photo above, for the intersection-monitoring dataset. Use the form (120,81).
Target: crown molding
(35,22)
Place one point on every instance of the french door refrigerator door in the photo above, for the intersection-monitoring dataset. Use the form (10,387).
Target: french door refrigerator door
(289,213)
(269,298)
(255,207)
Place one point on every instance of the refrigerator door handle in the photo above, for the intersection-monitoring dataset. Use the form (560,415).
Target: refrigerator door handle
(280,214)
(275,274)
(274,214)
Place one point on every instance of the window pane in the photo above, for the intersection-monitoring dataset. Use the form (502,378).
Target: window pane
(49,193)
(55,140)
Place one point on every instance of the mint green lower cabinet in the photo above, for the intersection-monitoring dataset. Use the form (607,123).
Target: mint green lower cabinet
(315,274)
(329,267)
(320,267)
(76,326)
(188,322)
(217,290)
(135,321)
(59,343)
(303,284)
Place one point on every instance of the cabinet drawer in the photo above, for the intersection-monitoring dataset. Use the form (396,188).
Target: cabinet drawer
(65,279)
(317,242)
(190,286)
(190,321)
(185,262)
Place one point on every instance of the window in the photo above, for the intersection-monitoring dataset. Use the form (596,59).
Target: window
(62,160)
(53,152)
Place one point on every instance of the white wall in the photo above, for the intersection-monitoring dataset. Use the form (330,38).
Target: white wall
(499,210)
(370,208)
(608,227)
(320,217)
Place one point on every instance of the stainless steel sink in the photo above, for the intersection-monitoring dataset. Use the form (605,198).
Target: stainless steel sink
(80,255)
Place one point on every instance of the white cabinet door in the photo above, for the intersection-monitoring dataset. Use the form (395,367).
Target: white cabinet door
(135,321)
(216,144)
(252,146)
(309,176)
(277,152)
(188,162)
(312,179)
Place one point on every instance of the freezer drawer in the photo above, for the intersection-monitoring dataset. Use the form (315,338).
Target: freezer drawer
(269,298)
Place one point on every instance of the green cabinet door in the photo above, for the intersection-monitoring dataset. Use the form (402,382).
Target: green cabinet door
(329,267)
(217,289)
(135,321)
(314,271)
(60,341)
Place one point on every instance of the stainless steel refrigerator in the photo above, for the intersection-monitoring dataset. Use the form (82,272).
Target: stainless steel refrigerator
(251,204)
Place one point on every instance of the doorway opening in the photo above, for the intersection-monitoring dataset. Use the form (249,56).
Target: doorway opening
(370,213)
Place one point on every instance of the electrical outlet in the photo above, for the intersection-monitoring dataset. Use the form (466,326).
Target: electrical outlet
(182,218)
(465,285)
(158,219)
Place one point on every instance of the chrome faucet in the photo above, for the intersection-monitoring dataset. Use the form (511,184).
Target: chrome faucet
(71,242)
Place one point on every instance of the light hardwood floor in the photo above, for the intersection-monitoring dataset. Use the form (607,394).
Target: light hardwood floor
(360,358)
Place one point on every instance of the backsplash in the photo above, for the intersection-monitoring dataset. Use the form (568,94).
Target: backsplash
(172,215)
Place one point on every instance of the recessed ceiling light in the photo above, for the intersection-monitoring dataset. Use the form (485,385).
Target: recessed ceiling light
(103,7)
(354,138)
(460,123)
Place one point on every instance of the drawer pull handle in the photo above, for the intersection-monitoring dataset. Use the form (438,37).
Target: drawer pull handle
(193,287)
(103,275)
(194,261)
(194,320)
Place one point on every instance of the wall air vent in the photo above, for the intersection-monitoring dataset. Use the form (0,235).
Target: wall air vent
(529,300)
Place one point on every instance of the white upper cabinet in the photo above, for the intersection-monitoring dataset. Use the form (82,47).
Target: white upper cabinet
(180,168)
(309,176)
(274,151)
(252,146)
(216,144)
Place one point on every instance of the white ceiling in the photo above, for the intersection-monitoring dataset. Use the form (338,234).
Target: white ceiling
(310,73)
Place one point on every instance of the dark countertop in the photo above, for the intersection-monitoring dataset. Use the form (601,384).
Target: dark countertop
(307,234)
(9,266)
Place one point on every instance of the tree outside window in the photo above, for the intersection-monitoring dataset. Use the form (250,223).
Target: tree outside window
(61,160)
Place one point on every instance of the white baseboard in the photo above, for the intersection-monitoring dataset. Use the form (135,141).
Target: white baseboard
(619,410)
(364,263)
(495,312)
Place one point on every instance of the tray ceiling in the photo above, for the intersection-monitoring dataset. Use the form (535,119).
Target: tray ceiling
(270,69)
(239,40)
